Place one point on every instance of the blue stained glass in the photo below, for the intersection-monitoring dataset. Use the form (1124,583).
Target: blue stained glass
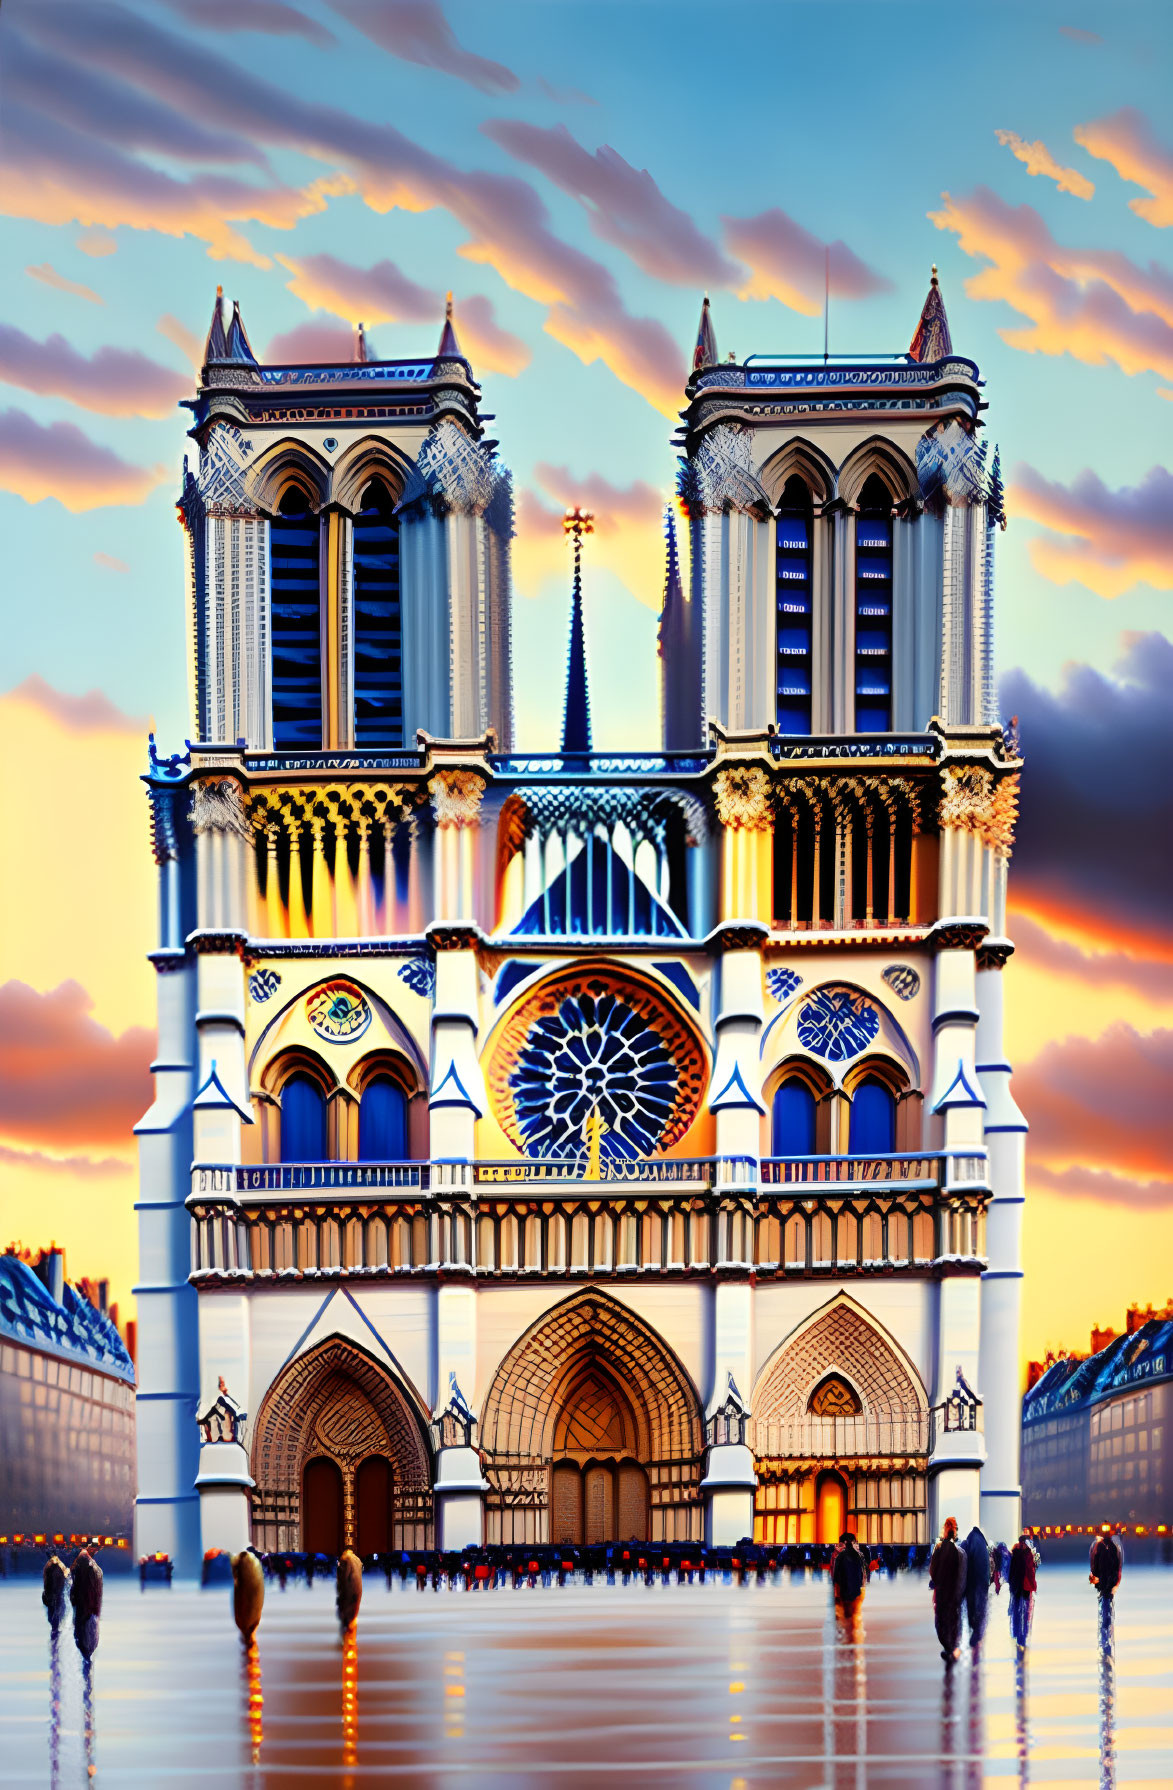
(593,1052)
(794,640)
(793,1125)
(792,534)
(303,1120)
(782,983)
(872,1130)
(382,1122)
(295,625)
(837,1024)
(793,719)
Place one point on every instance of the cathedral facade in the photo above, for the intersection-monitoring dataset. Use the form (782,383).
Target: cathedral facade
(581,1146)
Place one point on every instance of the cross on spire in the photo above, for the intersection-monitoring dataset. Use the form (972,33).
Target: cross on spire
(576,719)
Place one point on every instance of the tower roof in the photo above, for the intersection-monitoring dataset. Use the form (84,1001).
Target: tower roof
(673,589)
(360,345)
(705,352)
(216,346)
(576,719)
(932,340)
(238,347)
(449,348)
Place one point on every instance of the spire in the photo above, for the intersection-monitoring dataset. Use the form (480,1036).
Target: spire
(670,609)
(238,348)
(932,341)
(705,352)
(996,496)
(216,346)
(576,720)
(449,348)
(360,345)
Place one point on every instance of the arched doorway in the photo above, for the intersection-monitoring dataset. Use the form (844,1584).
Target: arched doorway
(337,1406)
(372,1506)
(592,1432)
(830,1507)
(322,1507)
(841,1434)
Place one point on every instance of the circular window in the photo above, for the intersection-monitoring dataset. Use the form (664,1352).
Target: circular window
(338,1012)
(837,1023)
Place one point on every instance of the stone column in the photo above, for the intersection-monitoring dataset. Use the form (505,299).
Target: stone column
(167,1394)
(224,1481)
(460,1486)
(742,798)
(1001,1298)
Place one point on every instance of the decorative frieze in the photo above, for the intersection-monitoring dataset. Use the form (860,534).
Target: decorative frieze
(742,797)
(217,806)
(456,798)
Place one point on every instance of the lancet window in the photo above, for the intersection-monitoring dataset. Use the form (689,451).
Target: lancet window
(793,1119)
(382,1122)
(873,610)
(303,1120)
(873,1119)
(295,604)
(378,638)
(843,852)
(795,617)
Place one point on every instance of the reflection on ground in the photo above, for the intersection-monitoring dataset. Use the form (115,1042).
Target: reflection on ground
(706,1686)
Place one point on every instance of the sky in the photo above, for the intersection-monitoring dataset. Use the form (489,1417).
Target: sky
(578,175)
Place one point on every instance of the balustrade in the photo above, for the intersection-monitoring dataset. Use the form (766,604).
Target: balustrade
(845,1438)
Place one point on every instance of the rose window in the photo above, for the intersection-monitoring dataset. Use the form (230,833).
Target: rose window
(339,1012)
(837,1024)
(597,1044)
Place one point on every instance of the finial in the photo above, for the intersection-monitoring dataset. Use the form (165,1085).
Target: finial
(934,281)
(219,292)
(448,305)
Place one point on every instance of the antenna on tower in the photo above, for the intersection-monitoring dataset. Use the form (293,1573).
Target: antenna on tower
(576,720)
(826,300)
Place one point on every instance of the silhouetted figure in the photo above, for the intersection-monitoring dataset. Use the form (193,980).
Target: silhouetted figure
(55,1591)
(947,1573)
(85,1594)
(977,1584)
(348,1583)
(248,1593)
(1107,1569)
(849,1574)
(1020,1578)
(999,1565)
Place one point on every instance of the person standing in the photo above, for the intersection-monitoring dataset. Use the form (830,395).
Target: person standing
(1022,1583)
(947,1576)
(1107,1569)
(849,1574)
(977,1584)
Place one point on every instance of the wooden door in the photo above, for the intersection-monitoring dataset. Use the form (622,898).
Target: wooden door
(372,1500)
(321,1507)
(831,1509)
(566,1505)
(599,1499)
(633,1503)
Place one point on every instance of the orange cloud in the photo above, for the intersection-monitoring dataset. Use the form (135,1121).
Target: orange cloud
(89,1168)
(110,562)
(57,460)
(1095,305)
(628,538)
(1126,141)
(787,263)
(91,713)
(1043,945)
(383,294)
(64,1079)
(1125,537)
(1037,159)
(1101,1103)
(114,381)
(96,243)
(184,339)
(49,276)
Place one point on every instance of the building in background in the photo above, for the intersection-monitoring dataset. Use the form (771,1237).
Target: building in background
(67,1456)
(582,1145)
(1097,1432)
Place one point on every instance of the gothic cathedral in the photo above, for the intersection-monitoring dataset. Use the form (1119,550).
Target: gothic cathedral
(582,1146)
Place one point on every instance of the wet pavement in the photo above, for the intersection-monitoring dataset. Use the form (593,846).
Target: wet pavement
(712,1687)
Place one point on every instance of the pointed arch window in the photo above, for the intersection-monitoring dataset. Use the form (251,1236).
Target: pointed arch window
(382,1122)
(872,1131)
(793,1119)
(873,609)
(295,612)
(378,629)
(795,615)
(303,1120)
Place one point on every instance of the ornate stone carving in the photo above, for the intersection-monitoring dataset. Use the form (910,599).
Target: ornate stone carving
(217,806)
(164,843)
(951,465)
(222,1420)
(456,798)
(720,474)
(975,801)
(457,471)
(223,466)
(742,795)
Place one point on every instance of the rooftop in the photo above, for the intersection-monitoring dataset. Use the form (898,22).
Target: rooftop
(41,1310)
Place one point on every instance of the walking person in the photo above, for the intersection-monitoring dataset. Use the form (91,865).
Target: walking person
(1022,1583)
(849,1574)
(1107,1568)
(977,1585)
(947,1575)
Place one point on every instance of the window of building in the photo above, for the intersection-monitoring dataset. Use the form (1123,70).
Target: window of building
(303,1120)
(378,638)
(295,621)
(382,1122)
(872,1130)
(794,1119)
(795,617)
(873,610)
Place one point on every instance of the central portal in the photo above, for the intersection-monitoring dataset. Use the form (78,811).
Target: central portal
(598,1489)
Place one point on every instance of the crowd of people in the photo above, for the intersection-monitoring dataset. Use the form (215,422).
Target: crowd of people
(961,1574)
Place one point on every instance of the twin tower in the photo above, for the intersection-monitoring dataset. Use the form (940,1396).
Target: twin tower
(566,1146)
